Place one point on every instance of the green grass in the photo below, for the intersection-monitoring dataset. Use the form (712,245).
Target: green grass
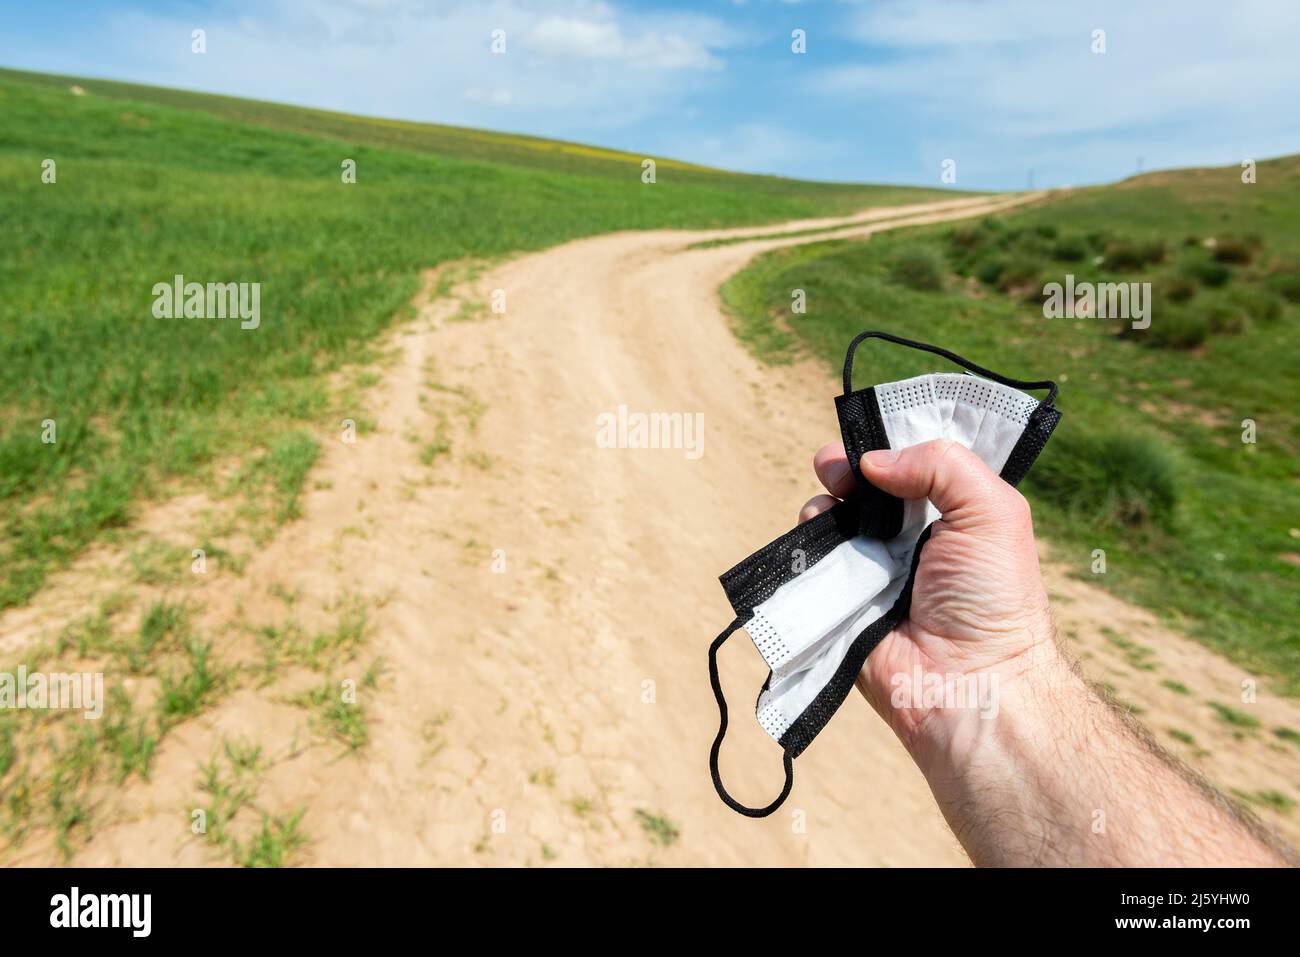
(1234,717)
(1274,800)
(231,786)
(152,183)
(661,830)
(186,688)
(1148,462)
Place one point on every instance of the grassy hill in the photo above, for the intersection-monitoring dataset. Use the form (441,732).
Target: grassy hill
(151,183)
(1149,463)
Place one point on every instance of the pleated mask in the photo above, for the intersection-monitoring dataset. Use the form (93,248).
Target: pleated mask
(817,600)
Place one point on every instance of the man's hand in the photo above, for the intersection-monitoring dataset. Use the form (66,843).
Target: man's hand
(1053,775)
(978,603)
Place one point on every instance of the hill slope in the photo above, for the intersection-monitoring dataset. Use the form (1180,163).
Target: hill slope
(1177,453)
(150,184)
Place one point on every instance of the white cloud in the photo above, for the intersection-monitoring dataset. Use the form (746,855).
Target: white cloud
(571,66)
(654,49)
(1197,78)
(1026,68)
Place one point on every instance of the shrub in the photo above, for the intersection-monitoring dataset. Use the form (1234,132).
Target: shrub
(1127,256)
(918,267)
(1098,239)
(1046,230)
(1211,274)
(1069,250)
(1021,275)
(968,237)
(1115,480)
(1222,318)
(1178,289)
(1259,304)
(1233,250)
(1123,256)
(1286,284)
(1173,329)
(990,271)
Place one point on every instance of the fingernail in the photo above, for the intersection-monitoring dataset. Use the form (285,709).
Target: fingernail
(880,458)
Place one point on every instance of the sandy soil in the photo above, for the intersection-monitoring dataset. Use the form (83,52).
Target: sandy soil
(542,606)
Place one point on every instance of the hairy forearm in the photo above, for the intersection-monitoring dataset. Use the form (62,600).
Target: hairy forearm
(1061,778)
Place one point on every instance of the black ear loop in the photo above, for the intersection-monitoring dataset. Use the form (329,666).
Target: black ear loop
(1047,384)
(727,799)
(742,619)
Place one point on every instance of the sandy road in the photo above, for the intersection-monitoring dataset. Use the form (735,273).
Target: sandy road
(542,606)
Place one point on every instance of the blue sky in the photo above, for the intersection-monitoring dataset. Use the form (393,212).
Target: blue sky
(885,92)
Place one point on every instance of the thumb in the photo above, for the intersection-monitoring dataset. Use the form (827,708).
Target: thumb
(951,476)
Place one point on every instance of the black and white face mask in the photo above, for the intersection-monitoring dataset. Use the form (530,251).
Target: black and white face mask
(818,599)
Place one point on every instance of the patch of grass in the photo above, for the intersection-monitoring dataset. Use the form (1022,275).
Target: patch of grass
(659,827)
(8,747)
(1288,734)
(185,690)
(1177,687)
(1137,656)
(1182,736)
(1275,800)
(1234,717)
(918,268)
(231,787)
(275,842)
(582,806)
(338,718)
(545,777)
(1108,480)
(283,468)
(441,444)
(158,563)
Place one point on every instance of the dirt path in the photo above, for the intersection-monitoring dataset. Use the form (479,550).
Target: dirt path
(542,606)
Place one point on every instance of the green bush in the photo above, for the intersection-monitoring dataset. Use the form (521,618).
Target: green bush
(1128,256)
(1178,289)
(1173,329)
(1117,481)
(1098,239)
(1021,275)
(1230,249)
(918,267)
(1223,319)
(1069,250)
(990,271)
(968,237)
(1046,230)
(1211,274)
(1286,284)
(1257,303)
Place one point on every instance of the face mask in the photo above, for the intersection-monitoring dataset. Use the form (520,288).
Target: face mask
(818,599)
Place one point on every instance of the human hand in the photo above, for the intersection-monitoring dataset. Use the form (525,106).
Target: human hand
(978,602)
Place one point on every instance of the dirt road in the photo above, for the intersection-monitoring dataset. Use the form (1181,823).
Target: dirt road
(541,606)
